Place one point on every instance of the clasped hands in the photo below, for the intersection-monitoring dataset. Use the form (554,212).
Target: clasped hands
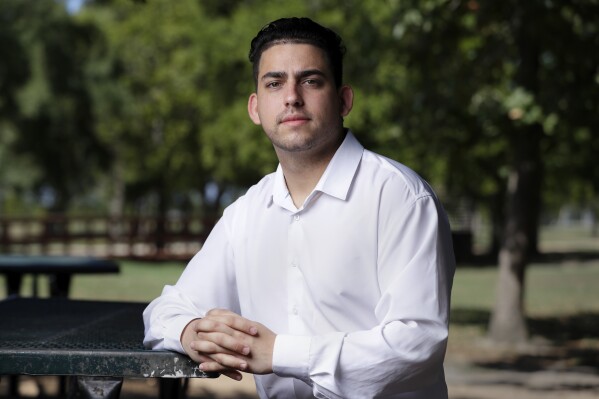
(224,342)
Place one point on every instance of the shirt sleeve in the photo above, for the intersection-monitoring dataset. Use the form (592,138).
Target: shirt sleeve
(207,282)
(405,351)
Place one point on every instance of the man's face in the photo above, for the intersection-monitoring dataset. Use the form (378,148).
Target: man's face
(296,100)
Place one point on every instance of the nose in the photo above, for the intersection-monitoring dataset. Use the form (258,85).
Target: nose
(293,96)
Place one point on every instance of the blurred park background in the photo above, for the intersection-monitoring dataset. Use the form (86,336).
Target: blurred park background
(124,133)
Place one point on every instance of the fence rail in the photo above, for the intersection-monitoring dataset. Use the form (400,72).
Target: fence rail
(150,238)
(144,238)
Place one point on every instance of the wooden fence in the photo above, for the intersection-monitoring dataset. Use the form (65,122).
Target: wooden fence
(148,238)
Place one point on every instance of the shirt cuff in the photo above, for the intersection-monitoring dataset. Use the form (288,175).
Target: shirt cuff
(172,338)
(291,356)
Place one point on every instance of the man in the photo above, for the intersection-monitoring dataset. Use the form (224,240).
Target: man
(331,277)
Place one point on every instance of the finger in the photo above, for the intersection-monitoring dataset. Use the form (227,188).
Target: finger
(208,365)
(234,338)
(215,367)
(215,324)
(220,361)
(220,312)
(219,343)
(229,361)
(232,320)
(233,374)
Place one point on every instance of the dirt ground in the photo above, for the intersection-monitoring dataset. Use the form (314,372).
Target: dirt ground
(542,368)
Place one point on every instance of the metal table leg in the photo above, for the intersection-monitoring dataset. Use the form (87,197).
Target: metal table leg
(83,387)
(173,388)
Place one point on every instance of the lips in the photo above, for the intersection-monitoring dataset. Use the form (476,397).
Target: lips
(294,118)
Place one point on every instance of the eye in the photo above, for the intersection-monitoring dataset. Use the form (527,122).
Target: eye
(312,82)
(273,85)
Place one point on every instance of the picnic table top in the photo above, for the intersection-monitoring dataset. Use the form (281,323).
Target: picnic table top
(58,336)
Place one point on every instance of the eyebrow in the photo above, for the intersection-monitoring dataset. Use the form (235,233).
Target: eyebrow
(299,75)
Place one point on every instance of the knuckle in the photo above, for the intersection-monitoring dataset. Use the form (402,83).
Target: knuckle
(208,325)
(215,312)
(211,366)
(239,335)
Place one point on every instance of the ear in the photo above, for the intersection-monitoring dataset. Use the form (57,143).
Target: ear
(253,108)
(346,96)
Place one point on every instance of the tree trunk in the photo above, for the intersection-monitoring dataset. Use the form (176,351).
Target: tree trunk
(497,224)
(117,197)
(523,205)
(508,324)
(117,202)
(161,219)
(507,321)
(594,219)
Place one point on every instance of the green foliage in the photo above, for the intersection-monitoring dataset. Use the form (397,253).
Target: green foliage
(182,80)
(157,90)
(440,88)
(45,117)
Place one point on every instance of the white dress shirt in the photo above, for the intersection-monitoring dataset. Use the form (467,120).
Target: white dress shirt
(356,282)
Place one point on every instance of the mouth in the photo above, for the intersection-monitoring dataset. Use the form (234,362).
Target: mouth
(294,120)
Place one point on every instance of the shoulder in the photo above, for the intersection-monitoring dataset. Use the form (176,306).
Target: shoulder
(394,178)
(258,195)
(402,193)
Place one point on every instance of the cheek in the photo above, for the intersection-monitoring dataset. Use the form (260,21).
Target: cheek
(266,109)
(330,104)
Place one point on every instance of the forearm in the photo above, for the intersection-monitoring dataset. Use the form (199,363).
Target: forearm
(205,284)
(396,357)
(165,318)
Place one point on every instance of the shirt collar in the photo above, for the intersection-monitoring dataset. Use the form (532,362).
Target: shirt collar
(337,177)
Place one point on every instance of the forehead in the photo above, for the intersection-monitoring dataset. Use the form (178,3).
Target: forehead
(290,57)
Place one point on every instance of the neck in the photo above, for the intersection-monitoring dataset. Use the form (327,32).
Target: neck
(302,171)
(301,178)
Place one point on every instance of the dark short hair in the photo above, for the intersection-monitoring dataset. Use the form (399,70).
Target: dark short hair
(302,31)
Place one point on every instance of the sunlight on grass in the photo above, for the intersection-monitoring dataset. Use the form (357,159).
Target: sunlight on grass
(551,288)
(137,281)
(565,287)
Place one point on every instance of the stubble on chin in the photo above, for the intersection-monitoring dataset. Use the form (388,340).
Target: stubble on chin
(292,144)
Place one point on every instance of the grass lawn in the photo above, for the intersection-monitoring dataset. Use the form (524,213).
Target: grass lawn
(566,287)
(558,285)
(137,281)
(561,304)
(561,286)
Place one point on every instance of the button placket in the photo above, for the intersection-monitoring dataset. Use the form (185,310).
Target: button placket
(295,283)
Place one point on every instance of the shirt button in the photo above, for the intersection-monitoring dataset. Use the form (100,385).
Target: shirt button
(293,263)
(296,217)
(295,312)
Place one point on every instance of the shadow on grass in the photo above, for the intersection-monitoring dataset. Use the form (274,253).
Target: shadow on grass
(565,333)
(490,260)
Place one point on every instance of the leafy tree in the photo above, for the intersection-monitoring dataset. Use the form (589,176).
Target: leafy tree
(175,117)
(495,102)
(46,111)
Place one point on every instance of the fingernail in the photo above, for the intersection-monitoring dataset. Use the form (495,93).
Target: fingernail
(243,366)
(237,377)
(201,366)
(253,330)
(245,350)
